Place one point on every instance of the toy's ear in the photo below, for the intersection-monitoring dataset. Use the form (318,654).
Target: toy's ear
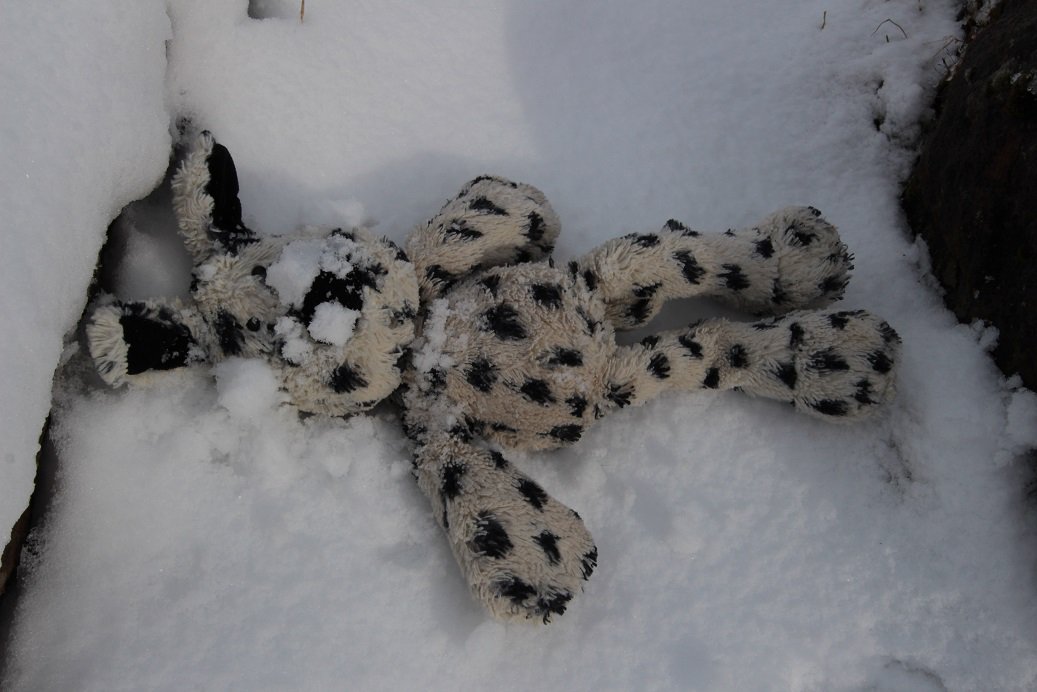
(205,198)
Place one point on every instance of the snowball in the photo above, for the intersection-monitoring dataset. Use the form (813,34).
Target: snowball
(295,346)
(247,387)
(294,271)
(333,323)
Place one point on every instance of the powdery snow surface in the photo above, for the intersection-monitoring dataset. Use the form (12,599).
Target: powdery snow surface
(83,131)
(206,537)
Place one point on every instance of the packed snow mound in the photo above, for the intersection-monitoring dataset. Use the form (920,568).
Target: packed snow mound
(84,131)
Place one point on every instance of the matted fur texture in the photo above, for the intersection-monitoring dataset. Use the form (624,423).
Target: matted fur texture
(508,350)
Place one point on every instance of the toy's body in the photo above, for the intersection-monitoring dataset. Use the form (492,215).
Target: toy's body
(509,350)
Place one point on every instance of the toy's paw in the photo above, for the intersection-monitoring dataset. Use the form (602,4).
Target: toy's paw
(834,365)
(523,553)
(811,264)
(127,340)
(492,221)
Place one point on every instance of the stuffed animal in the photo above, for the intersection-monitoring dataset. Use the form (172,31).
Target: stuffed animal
(487,344)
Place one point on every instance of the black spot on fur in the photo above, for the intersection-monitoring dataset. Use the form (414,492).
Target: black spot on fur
(765,326)
(831,407)
(482,374)
(522,255)
(568,357)
(712,380)
(690,268)
(440,277)
(548,295)
(548,542)
(553,605)
(330,288)
(590,279)
(515,590)
(764,248)
(639,310)
(796,335)
(577,405)
(153,344)
(503,321)
(535,231)
(800,237)
(620,395)
(567,433)
(826,361)
(786,372)
(345,379)
(498,459)
(838,320)
(591,323)
(659,366)
(737,356)
(574,268)
(688,341)
(734,278)
(490,538)
(400,255)
(463,231)
(675,225)
(533,493)
(406,313)
(889,335)
(450,479)
(491,283)
(502,427)
(864,392)
(228,331)
(537,391)
(259,271)
(650,341)
(588,562)
(778,293)
(226,229)
(833,284)
(880,362)
(485,205)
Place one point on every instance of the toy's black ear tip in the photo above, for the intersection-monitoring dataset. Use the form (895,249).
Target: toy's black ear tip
(223,188)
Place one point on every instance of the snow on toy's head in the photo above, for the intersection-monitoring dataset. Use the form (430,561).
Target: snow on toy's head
(348,302)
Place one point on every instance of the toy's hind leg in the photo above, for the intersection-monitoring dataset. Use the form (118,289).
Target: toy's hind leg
(790,260)
(492,221)
(833,365)
(524,554)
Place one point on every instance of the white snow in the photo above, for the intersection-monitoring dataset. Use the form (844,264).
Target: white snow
(83,131)
(206,537)
(333,324)
(295,269)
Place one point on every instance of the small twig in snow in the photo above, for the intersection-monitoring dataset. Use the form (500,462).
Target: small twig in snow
(824,19)
(889,21)
(302,11)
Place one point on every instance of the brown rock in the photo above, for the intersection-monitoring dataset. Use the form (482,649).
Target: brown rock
(973,193)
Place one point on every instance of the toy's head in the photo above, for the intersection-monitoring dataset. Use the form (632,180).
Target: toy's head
(348,303)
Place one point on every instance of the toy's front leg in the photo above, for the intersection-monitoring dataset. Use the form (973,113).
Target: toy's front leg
(523,554)
(832,365)
(791,260)
(129,340)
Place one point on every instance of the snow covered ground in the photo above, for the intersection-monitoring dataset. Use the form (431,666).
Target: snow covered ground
(204,537)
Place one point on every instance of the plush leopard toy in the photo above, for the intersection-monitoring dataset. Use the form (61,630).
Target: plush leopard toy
(487,344)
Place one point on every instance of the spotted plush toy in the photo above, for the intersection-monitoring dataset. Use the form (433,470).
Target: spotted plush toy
(490,345)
